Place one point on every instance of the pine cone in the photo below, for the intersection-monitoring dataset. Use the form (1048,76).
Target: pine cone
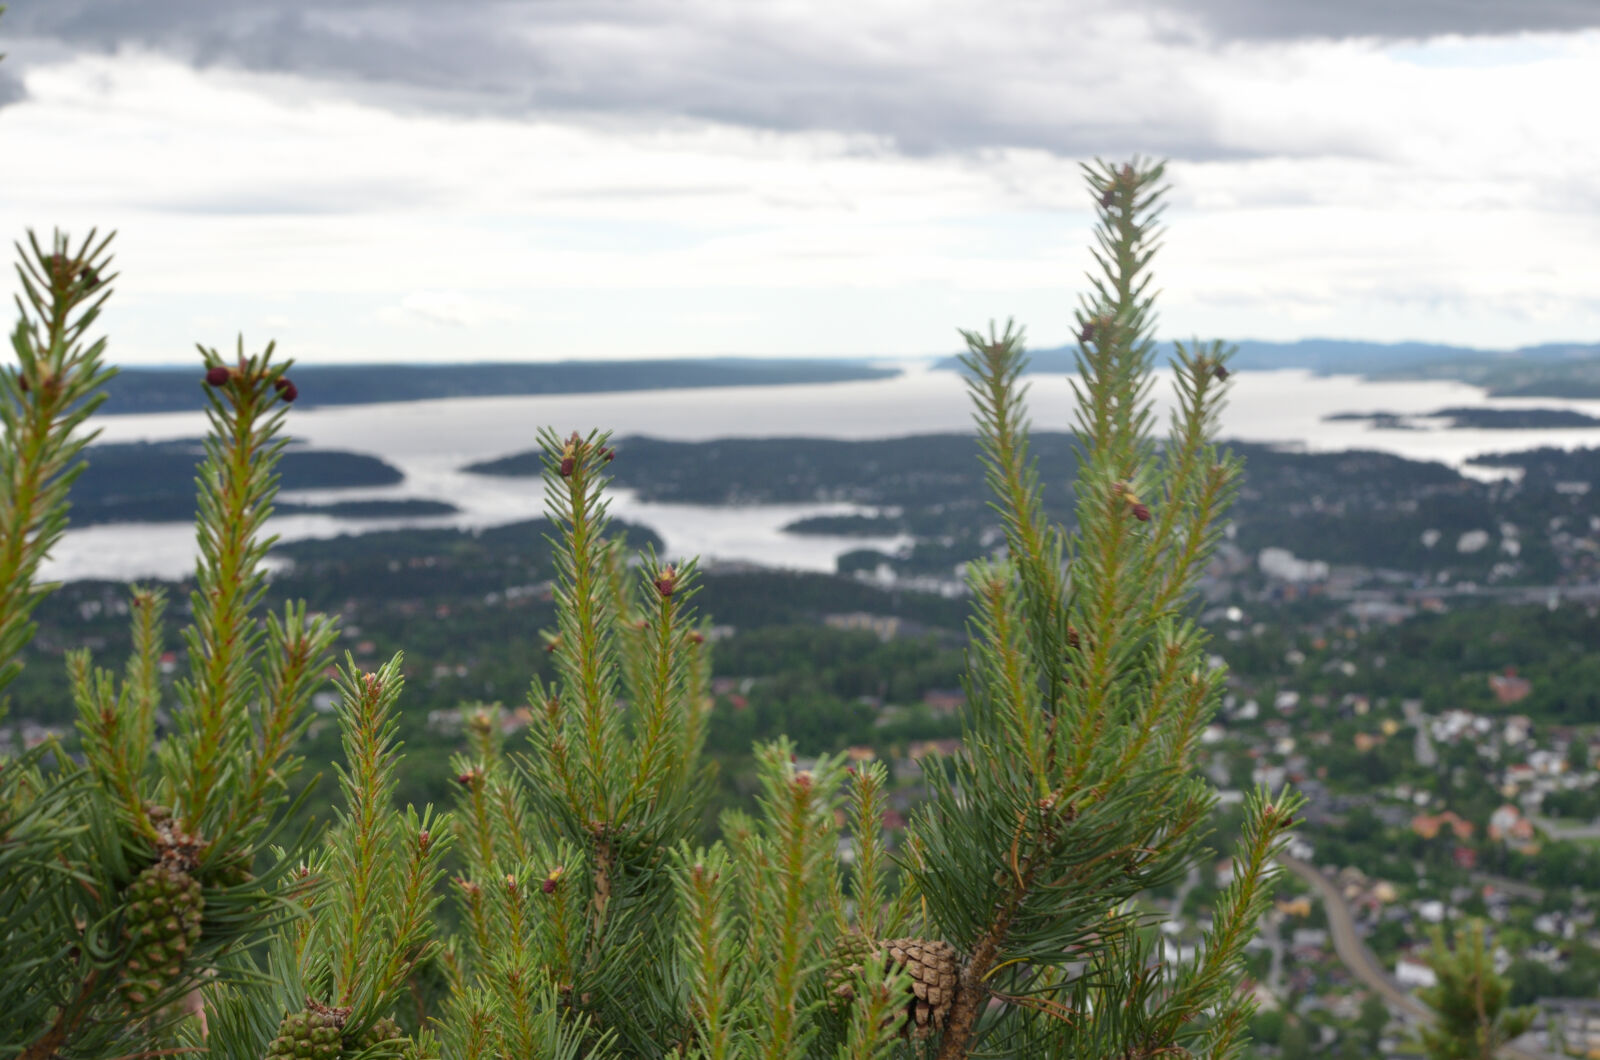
(850,955)
(934,969)
(316,1033)
(383,1030)
(162,922)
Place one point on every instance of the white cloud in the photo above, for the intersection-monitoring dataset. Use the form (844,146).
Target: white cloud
(450,308)
(1357,192)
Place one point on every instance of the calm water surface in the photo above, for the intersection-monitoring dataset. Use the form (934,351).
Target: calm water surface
(429,441)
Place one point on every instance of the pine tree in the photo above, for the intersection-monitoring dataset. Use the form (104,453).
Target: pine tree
(131,877)
(1470,1001)
(589,919)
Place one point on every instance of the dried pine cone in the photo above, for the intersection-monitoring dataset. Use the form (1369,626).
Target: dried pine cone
(315,1033)
(162,923)
(934,969)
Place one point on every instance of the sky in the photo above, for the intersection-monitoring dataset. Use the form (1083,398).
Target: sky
(549,180)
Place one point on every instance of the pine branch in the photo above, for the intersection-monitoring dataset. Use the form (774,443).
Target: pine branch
(236,487)
(584,649)
(709,949)
(996,365)
(869,885)
(43,404)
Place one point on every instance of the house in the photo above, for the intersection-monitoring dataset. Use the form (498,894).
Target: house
(1508,688)
(884,627)
(1428,826)
(1409,972)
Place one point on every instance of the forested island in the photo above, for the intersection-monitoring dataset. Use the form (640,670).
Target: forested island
(140,390)
(1476,418)
(154,482)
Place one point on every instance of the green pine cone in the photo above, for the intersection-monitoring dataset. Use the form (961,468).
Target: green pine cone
(851,952)
(384,1030)
(161,923)
(311,1034)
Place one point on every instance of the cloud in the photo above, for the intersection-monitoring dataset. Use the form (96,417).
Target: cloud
(1256,20)
(449,308)
(949,76)
(12,89)
(304,198)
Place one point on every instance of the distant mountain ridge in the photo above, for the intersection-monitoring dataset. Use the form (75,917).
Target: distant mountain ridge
(143,390)
(1334,356)
(1562,370)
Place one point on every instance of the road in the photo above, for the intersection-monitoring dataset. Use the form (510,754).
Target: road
(1359,959)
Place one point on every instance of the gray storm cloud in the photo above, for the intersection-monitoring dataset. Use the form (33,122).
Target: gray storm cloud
(1069,78)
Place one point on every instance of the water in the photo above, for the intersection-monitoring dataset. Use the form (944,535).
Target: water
(430,441)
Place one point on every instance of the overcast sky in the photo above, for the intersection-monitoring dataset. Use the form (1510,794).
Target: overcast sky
(373,181)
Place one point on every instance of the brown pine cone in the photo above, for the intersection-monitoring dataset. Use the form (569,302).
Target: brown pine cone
(934,970)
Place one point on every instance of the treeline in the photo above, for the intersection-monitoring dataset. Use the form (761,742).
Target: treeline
(1368,509)
(1446,660)
(142,390)
(155,482)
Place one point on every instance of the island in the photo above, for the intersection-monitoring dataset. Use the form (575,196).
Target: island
(1474,418)
(154,482)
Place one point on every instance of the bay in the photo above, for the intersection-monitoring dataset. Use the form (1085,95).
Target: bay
(430,441)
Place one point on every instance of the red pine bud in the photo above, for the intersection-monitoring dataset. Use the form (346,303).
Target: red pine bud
(667,581)
(567,464)
(1141,512)
(550,881)
(424,840)
(286,388)
(1086,333)
(218,376)
(1220,371)
(22,381)
(1108,198)
(695,637)
(609,454)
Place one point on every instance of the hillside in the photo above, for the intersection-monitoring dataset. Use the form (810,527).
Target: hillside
(140,390)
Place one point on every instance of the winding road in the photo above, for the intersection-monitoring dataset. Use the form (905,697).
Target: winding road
(1359,959)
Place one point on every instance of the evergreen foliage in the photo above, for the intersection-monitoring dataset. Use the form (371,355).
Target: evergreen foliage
(1470,1001)
(586,916)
